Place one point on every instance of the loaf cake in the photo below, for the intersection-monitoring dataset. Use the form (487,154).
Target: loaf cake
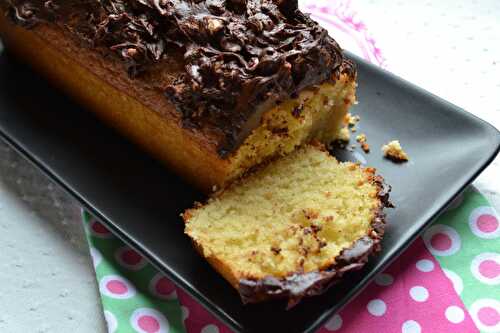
(293,227)
(210,87)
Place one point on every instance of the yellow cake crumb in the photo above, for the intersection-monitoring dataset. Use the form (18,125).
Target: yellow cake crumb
(296,214)
(351,120)
(344,134)
(394,151)
(347,118)
(314,114)
(361,138)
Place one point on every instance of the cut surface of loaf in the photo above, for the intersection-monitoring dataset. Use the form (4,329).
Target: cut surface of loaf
(192,142)
(293,227)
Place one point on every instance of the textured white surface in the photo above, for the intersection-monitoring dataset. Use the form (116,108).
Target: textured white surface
(451,48)
(47,281)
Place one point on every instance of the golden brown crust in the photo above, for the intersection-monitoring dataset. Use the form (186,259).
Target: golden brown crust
(100,85)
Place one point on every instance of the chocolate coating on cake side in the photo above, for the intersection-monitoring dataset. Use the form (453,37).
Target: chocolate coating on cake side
(299,285)
(237,54)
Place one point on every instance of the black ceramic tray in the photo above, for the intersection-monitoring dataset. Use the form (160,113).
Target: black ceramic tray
(140,201)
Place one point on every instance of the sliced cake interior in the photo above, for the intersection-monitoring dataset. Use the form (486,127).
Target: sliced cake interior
(292,227)
(316,114)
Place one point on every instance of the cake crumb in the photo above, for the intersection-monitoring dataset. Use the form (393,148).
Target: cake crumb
(344,135)
(361,138)
(394,151)
(347,118)
(268,195)
(351,120)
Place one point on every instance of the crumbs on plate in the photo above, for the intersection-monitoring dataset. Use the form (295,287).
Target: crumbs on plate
(361,138)
(395,152)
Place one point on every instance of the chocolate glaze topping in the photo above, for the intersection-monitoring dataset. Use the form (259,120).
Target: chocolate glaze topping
(299,285)
(236,53)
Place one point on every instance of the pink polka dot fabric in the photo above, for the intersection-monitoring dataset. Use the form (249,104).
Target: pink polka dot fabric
(413,295)
(197,319)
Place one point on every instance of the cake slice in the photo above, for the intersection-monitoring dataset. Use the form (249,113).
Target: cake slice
(212,88)
(293,227)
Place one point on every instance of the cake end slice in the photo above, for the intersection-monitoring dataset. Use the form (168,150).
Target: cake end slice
(293,227)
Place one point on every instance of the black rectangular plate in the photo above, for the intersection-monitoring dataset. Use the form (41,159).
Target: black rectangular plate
(141,201)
